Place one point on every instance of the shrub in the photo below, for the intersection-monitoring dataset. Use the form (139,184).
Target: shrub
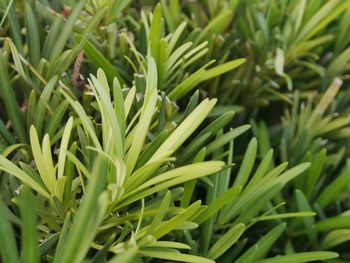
(114,149)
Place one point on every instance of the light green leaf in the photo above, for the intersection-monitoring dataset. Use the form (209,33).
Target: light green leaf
(172,256)
(336,237)
(185,129)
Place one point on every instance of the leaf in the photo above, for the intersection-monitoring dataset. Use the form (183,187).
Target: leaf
(262,246)
(43,105)
(247,163)
(154,33)
(87,218)
(58,66)
(286,215)
(226,241)
(329,11)
(63,148)
(163,209)
(119,105)
(185,129)
(5,133)
(147,112)
(12,169)
(168,226)
(188,84)
(15,30)
(217,124)
(226,138)
(129,100)
(10,102)
(110,124)
(332,191)
(63,234)
(50,40)
(335,238)
(88,126)
(5,153)
(143,173)
(66,32)
(341,221)
(8,7)
(325,101)
(221,69)
(194,168)
(8,246)
(217,25)
(174,256)
(279,67)
(315,171)
(292,173)
(176,34)
(172,178)
(29,236)
(32,35)
(176,56)
(43,159)
(170,244)
(301,257)
(309,222)
(229,196)
(126,256)
(99,61)
(261,170)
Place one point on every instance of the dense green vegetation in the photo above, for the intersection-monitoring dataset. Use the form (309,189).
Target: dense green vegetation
(174,131)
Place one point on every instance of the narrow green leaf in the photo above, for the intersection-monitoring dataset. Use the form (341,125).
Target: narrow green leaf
(8,246)
(15,29)
(29,235)
(262,246)
(341,221)
(172,256)
(217,25)
(66,31)
(335,238)
(87,219)
(226,241)
(10,102)
(315,171)
(229,196)
(175,177)
(247,163)
(185,129)
(221,69)
(148,109)
(32,35)
(301,257)
(99,61)
(163,208)
(286,215)
(155,31)
(226,138)
(261,170)
(45,169)
(332,191)
(63,148)
(12,169)
(309,222)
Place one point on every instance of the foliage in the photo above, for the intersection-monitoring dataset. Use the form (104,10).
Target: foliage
(114,149)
